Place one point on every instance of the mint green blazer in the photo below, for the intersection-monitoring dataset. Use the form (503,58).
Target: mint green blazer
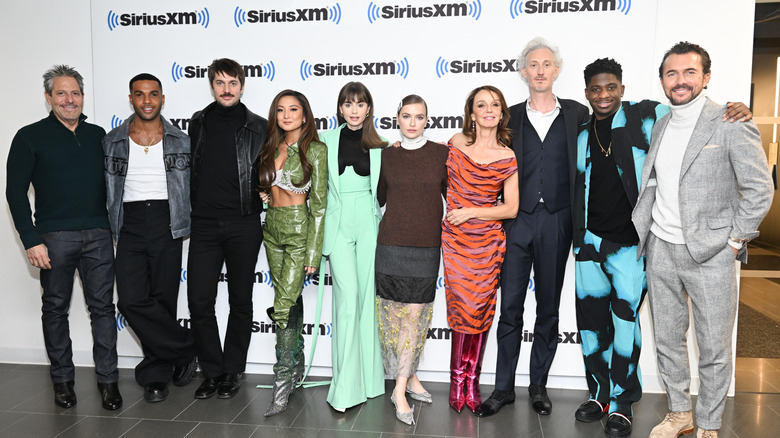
(333,210)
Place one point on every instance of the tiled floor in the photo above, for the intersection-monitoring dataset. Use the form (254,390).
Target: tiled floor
(27,411)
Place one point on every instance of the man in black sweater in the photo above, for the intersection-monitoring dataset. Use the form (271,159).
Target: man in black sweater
(226,139)
(62,157)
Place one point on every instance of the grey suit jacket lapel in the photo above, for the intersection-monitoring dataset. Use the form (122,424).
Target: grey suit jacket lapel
(702,133)
(655,142)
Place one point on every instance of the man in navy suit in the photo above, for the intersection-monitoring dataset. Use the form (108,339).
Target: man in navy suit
(545,142)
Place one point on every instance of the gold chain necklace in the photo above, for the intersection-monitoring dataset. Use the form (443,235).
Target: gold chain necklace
(151,142)
(609,148)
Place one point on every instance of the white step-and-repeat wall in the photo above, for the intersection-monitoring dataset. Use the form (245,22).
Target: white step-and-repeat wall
(438,50)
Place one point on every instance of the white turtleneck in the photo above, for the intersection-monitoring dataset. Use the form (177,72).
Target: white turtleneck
(412,143)
(668,164)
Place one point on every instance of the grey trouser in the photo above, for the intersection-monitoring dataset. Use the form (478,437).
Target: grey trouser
(672,277)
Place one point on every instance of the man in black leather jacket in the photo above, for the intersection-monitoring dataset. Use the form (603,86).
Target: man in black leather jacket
(226,140)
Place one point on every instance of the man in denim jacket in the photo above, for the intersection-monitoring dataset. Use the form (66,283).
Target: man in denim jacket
(147,162)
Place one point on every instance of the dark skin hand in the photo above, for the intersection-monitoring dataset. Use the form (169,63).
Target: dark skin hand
(737,111)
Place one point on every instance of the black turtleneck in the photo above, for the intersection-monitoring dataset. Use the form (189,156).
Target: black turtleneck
(351,152)
(609,211)
(219,196)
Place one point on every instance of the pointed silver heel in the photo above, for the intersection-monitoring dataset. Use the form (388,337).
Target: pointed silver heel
(424,396)
(404,417)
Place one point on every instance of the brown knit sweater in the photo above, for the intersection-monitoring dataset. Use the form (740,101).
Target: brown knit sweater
(411,185)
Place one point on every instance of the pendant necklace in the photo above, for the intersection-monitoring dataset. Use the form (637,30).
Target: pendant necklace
(151,142)
(609,148)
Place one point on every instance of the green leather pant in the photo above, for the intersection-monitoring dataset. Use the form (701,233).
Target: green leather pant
(285,246)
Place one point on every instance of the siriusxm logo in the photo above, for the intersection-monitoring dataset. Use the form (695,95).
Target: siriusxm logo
(471,9)
(455,67)
(121,322)
(264,277)
(332,13)
(197,17)
(400,68)
(322,123)
(182,124)
(178,71)
(308,329)
(116,121)
(434,122)
(518,7)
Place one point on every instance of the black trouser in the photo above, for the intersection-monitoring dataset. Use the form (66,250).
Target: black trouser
(148,274)
(541,240)
(235,243)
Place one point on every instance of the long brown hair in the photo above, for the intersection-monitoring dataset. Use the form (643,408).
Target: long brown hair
(266,166)
(503,133)
(357,92)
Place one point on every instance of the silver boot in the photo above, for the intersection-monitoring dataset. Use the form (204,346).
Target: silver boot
(282,391)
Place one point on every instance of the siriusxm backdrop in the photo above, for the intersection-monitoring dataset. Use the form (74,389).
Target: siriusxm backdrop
(438,50)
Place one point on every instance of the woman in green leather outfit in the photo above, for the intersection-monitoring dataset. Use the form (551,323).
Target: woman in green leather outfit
(291,167)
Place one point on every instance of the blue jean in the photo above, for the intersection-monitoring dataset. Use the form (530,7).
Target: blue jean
(91,252)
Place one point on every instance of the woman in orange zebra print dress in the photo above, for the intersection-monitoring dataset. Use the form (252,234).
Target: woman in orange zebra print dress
(480,165)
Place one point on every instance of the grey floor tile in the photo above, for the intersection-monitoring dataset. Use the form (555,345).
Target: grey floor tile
(218,410)
(8,419)
(396,435)
(378,415)
(330,433)
(284,432)
(179,399)
(437,418)
(160,429)
(6,367)
(27,410)
(317,413)
(253,412)
(99,427)
(26,385)
(40,426)
(217,430)
(8,375)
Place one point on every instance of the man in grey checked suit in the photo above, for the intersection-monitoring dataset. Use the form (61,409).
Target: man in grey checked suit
(705,189)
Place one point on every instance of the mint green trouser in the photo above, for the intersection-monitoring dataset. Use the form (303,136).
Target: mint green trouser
(358,372)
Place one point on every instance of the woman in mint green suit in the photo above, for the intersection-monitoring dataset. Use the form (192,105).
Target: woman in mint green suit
(351,225)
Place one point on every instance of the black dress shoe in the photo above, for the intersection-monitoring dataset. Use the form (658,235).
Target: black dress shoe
(109,392)
(182,376)
(229,385)
(618,425)
(64,396)
(155,392)
(493,404)
(208,388)
(591,411)
(539,399)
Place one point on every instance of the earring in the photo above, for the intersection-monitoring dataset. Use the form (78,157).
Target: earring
(473,126)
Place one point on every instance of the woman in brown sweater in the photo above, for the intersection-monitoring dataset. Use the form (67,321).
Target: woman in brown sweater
(412,182)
